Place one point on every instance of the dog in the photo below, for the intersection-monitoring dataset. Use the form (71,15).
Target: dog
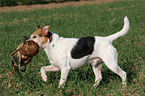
(71,53)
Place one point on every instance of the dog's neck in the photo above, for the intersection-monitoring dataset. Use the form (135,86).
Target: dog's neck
(49,44)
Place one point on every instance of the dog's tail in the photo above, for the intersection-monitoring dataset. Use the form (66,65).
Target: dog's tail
(122,32)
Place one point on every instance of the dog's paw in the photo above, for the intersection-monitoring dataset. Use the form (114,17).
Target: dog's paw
(95,85)
(44,77)
(124,84)
(61,86)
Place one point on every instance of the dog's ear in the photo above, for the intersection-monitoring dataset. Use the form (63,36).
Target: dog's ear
(45,30)
(38,26)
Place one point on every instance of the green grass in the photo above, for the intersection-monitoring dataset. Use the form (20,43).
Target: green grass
(81,21)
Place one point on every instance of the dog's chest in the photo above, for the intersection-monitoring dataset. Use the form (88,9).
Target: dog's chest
(60,51)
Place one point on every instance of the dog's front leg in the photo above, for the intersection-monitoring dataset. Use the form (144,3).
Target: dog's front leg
(47,68)
(64,74)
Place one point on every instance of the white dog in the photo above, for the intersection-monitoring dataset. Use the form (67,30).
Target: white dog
(71,53)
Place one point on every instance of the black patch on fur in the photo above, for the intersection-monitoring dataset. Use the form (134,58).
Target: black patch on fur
(49,34)
(84,47)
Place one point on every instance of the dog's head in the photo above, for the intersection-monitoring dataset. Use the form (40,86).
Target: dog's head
(41,36)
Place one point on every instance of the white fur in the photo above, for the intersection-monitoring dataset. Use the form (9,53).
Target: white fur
(59,55)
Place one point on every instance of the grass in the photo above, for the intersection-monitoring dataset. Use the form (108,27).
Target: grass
(81,21)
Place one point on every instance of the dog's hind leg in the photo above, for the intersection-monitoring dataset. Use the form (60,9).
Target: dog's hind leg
(97,66)
(110,57)
(47,68)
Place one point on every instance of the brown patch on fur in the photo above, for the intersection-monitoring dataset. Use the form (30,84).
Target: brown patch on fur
(38,26)
(37,32)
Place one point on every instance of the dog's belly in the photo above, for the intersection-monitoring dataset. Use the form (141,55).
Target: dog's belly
(76,63)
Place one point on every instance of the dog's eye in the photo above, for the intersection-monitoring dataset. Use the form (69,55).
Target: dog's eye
(34,36)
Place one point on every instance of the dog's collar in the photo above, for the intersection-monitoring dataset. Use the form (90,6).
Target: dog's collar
(51,32)
(55,38)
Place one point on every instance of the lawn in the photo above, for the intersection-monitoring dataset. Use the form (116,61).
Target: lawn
(75,22)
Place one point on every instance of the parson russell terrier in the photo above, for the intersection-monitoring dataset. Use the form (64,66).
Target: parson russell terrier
(71,53)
